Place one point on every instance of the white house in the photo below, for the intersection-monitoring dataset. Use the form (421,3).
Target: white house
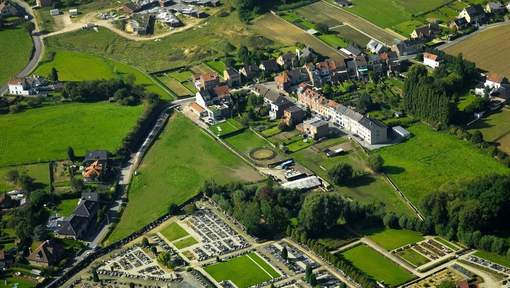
(494,81)
(431,60)
(375,46)
(19,87)
(473,14)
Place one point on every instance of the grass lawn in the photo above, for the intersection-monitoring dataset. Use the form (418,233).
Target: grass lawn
(17,282)
(95,68)
(246,141)
(66,207)
(40,172)
(271,131)
(299,144)
(16,46)
(429,159)
(173,232)
(391,239)
(496,258)
(174,170)
(181,76)
(333,40)
(481,49)
(229,126)
(244,271)
(217,66)
(83,126)
(367,189)
(177,87)
(413,257)
(186,242)
(377,266)
(496,127)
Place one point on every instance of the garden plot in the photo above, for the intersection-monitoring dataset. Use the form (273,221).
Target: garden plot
(424,252)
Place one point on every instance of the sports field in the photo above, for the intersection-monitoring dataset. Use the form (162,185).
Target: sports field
(174,170)
(244,271)
(83,126)
(366,189)
(76,66)
(323,12)
(40,172)
(377,266)
(389,14)
(495,128)
(487,49)
(429,159)
(391,239)
(275,28)
(16,48)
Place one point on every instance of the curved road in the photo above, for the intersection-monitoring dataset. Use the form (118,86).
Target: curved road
(38,47)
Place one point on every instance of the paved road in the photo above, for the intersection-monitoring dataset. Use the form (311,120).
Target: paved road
(38,47)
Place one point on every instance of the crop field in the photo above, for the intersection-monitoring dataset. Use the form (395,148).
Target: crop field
(367,189)
(389,14)
(173,232)
(323,12)
(429,159)
(391,239)
(244,271)
(377,266)
(83,126)
(177,87)
(16,46)
(275,28)
(412,257)
(352,35)
(486,49)
(496,128)
(173,171)
(93,67)
(40,172)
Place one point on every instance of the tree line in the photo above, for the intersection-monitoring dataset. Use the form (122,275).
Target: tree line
(121,91)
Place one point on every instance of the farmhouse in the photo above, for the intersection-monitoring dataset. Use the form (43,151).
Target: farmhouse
(78,224)
(494,80)
(232,76)
(431,60)
(28,86)
(46,254)
(495,8)
(473,14)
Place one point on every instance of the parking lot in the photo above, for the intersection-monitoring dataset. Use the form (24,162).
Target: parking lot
(488,264)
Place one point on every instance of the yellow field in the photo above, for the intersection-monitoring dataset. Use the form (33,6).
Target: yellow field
(490,49)
(277,29)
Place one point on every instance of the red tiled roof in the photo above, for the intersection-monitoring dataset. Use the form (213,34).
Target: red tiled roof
(195,106)
(16,81)
(430,56)
(494,77)
(221,90)
(208,77)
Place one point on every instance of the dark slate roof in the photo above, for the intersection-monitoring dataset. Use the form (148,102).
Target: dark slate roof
(272,95)
(293,109)
(90,196)
(70,226)
(371,123)
(353,49)
(282,101)
(475,10)
(96,155)
(86,208)
(270,65)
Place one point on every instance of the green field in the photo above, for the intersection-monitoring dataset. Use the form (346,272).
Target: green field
(217,66)
(66,207)
(16,46)
(40,172)
(413,257)
(174,170)
(173,232)
(177,87)
(352,35)
(377,266)
(93,67)
(17,282)
(496,128)
(496,258)
(186,242)
(229,126)
(366,189)
(391,239)
(429,159)
(333,40)
(244,271)
(246,141)
(83,126)
(389,14)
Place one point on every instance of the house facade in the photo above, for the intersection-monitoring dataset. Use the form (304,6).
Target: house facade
(431,60)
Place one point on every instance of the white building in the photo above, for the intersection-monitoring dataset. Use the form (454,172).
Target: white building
(494,81)
(19,87)
(431,60)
